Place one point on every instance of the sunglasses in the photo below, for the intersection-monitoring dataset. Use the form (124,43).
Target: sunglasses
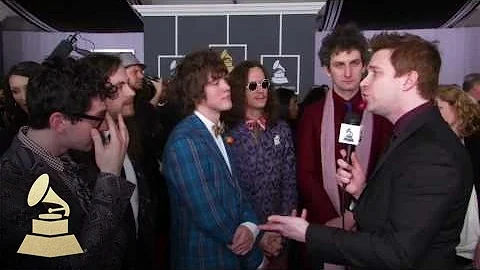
(252,86)
(91,117)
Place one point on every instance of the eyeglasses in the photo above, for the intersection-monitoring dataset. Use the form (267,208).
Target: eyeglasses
(114,89)
(252,86)
(91,117)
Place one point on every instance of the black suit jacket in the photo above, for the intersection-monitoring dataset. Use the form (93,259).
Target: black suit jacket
(472,143)
(411,213)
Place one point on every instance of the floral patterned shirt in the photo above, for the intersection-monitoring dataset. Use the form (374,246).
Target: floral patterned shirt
(265,163)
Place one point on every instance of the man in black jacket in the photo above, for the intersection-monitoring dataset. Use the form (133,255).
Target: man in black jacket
(67,111)
(411,212)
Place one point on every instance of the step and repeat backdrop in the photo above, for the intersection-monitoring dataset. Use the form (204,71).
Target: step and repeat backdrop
(280,36)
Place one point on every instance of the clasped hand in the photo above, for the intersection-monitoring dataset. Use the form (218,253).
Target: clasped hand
(271,243)
(242,241)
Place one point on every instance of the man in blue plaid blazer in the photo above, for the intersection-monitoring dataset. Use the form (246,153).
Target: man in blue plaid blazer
(213,226)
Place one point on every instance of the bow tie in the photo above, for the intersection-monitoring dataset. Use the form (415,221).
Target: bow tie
(260,123)
(218,129)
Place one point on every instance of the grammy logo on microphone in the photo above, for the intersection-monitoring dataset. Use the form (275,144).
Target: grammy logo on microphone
(349,134)
(49,236)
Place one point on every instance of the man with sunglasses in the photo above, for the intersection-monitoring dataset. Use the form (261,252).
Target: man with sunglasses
(67,111)
(264,84)
(263,152)
(213,225)
(343,55)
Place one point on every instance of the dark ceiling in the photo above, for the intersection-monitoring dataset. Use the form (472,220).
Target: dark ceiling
(375,15)
(99,16)
(118,16)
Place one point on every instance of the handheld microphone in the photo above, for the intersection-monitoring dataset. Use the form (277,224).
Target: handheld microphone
(349,134)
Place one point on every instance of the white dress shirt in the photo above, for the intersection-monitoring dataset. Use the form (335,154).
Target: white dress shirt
(132,178)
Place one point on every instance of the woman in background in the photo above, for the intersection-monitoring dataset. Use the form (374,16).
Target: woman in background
(263,152)
(462,113)
(15,113)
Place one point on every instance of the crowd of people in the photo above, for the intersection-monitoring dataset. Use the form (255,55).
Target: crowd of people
(219,169)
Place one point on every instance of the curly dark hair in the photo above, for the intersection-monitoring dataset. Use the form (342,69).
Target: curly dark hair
(343,38)
(238,79)
(64,86)
(192,75)
(13,116)
(106,65)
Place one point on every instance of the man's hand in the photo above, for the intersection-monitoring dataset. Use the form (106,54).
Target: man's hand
(109,156)
(242,241)
(351,177)
(271,243)
(158,85)
(292,227)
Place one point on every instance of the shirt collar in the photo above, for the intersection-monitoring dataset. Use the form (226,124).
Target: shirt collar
(209,124)
(52,161)
(405,119)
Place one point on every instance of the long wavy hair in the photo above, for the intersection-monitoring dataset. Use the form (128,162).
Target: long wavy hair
(238,80)
(466,108)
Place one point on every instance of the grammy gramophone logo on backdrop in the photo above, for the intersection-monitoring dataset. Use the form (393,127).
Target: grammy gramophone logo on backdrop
(49,236)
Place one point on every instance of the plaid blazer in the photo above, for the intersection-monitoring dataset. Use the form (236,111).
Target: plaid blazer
(206,202)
